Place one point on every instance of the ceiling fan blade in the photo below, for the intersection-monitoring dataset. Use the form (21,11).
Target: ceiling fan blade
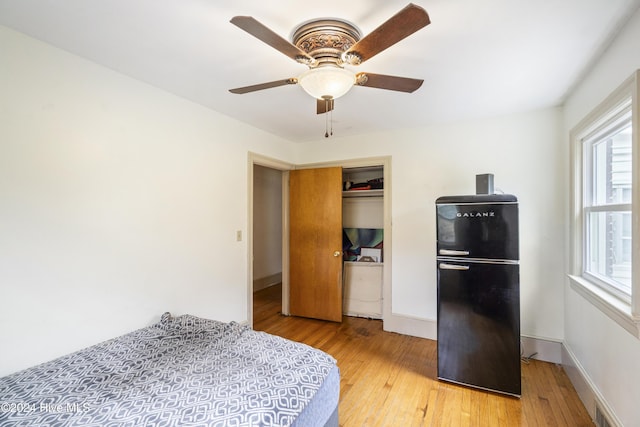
(401,25)
(258,30)
(381,81)
(261,86)
(324,105)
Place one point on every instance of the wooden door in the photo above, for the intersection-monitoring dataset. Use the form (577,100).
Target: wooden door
(315,243)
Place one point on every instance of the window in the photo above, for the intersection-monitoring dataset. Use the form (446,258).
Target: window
(606,176)
(605,203)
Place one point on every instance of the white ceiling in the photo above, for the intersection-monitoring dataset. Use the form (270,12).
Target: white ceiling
(477,58)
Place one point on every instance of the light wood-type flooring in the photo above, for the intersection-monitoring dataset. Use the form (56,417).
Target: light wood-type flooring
(388,379)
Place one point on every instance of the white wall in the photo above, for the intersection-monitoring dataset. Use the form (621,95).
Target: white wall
(521,151)
(117,202)
(609,355)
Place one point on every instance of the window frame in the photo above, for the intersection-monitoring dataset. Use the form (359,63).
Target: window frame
(619,307)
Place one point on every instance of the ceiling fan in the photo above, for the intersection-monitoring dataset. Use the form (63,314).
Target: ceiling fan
(327,45)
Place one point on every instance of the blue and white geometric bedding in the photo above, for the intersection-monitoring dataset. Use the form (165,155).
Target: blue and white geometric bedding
(181,371)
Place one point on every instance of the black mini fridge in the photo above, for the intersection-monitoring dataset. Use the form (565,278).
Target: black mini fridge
(479,292)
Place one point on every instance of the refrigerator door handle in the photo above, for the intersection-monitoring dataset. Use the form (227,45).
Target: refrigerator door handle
(453,252)
(444,266)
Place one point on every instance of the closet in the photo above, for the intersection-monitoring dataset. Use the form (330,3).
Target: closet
(363,241)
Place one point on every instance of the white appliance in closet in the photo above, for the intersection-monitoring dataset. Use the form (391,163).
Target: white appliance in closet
(362,280)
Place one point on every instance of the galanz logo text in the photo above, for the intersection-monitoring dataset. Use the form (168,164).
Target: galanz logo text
(475,214)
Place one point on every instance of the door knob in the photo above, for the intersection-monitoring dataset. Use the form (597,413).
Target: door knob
(337,253)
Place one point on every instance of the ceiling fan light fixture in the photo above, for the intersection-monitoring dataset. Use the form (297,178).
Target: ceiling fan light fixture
(327,82)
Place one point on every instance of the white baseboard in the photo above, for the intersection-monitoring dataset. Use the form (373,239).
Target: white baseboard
(265,282)
(586,389)
(415,327)
(543,349)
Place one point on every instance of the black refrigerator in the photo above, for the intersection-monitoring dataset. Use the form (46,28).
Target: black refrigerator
(479,292)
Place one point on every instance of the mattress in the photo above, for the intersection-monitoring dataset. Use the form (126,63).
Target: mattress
(181,371)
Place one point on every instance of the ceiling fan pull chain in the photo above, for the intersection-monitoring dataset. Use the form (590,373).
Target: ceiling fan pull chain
(326,119)
(331,122)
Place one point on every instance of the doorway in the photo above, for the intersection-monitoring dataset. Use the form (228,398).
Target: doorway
(267,233)
(283,168)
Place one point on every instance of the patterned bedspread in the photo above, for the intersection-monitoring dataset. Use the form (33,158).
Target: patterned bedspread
(182,371)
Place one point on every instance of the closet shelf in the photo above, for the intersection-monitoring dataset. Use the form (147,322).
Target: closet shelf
(363,193)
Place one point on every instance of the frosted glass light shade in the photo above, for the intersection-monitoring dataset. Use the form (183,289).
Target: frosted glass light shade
(327,81)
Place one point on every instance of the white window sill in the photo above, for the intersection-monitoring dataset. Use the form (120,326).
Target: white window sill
(619,311)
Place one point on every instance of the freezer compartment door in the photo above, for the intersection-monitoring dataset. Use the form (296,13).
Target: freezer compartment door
(479,325)
(478,230)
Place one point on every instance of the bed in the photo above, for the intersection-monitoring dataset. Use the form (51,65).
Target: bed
(181,371)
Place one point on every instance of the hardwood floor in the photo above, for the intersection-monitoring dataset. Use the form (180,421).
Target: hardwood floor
(388,379)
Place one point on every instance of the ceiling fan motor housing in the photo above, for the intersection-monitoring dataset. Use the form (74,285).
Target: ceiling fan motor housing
(326,40)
